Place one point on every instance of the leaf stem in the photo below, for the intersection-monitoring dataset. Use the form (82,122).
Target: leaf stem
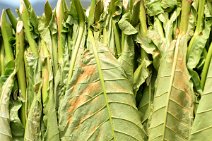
(60,19)
(206,66)
(20,67)
(186,6)
(1,58)
(6,31)
(143,26)
(12,18)
(200,16)
(142,17)
(117,38)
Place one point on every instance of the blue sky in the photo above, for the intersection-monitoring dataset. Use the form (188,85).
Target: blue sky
(16,2)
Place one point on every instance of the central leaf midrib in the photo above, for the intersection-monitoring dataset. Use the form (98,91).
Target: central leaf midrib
(170,88)
(101,80)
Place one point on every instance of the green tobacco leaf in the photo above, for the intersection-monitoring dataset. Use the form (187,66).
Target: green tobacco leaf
(196,81)
(5,131)
(32,73)
(197,45)
(48,12)
(169,4)
(126,59)
(153,7)
(173,99)
(28,30)
(126,26)
(33,19)
(201,128)
(146,104)
(208,9)
(33,125)
(17,127)
(99,90)
(146,44)
(195,50)
(141,74)
(48,95)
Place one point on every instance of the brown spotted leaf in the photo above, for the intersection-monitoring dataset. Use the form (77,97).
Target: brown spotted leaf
(173,108)
(99,104)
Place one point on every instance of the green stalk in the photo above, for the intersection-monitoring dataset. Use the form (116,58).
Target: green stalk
(12,18)
(206,66)
(143,26)
(45,73)
(199,22)
(117,38)
(54,52)
(122,40)
(1,58)
(105,32)
(131,5)
(200,16)
(6,31)
(27,3)
(186,6)
(79,39)
(159,28)
(21,67)
(142,17)
(60,19)
(25,18)
(91,12)
(114,30)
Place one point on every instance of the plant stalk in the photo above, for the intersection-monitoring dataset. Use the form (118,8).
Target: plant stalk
(7,35)
(142,17)
(186,7)
(60,19)
(21,68)
(206,66)
(12,18)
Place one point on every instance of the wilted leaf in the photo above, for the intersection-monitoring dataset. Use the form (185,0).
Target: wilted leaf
(5,131)
(17,127)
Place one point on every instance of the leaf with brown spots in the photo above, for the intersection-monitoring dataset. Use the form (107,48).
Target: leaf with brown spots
(99,104)
(173,104)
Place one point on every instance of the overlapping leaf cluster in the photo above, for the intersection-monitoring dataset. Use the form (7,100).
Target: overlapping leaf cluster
(137,70)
